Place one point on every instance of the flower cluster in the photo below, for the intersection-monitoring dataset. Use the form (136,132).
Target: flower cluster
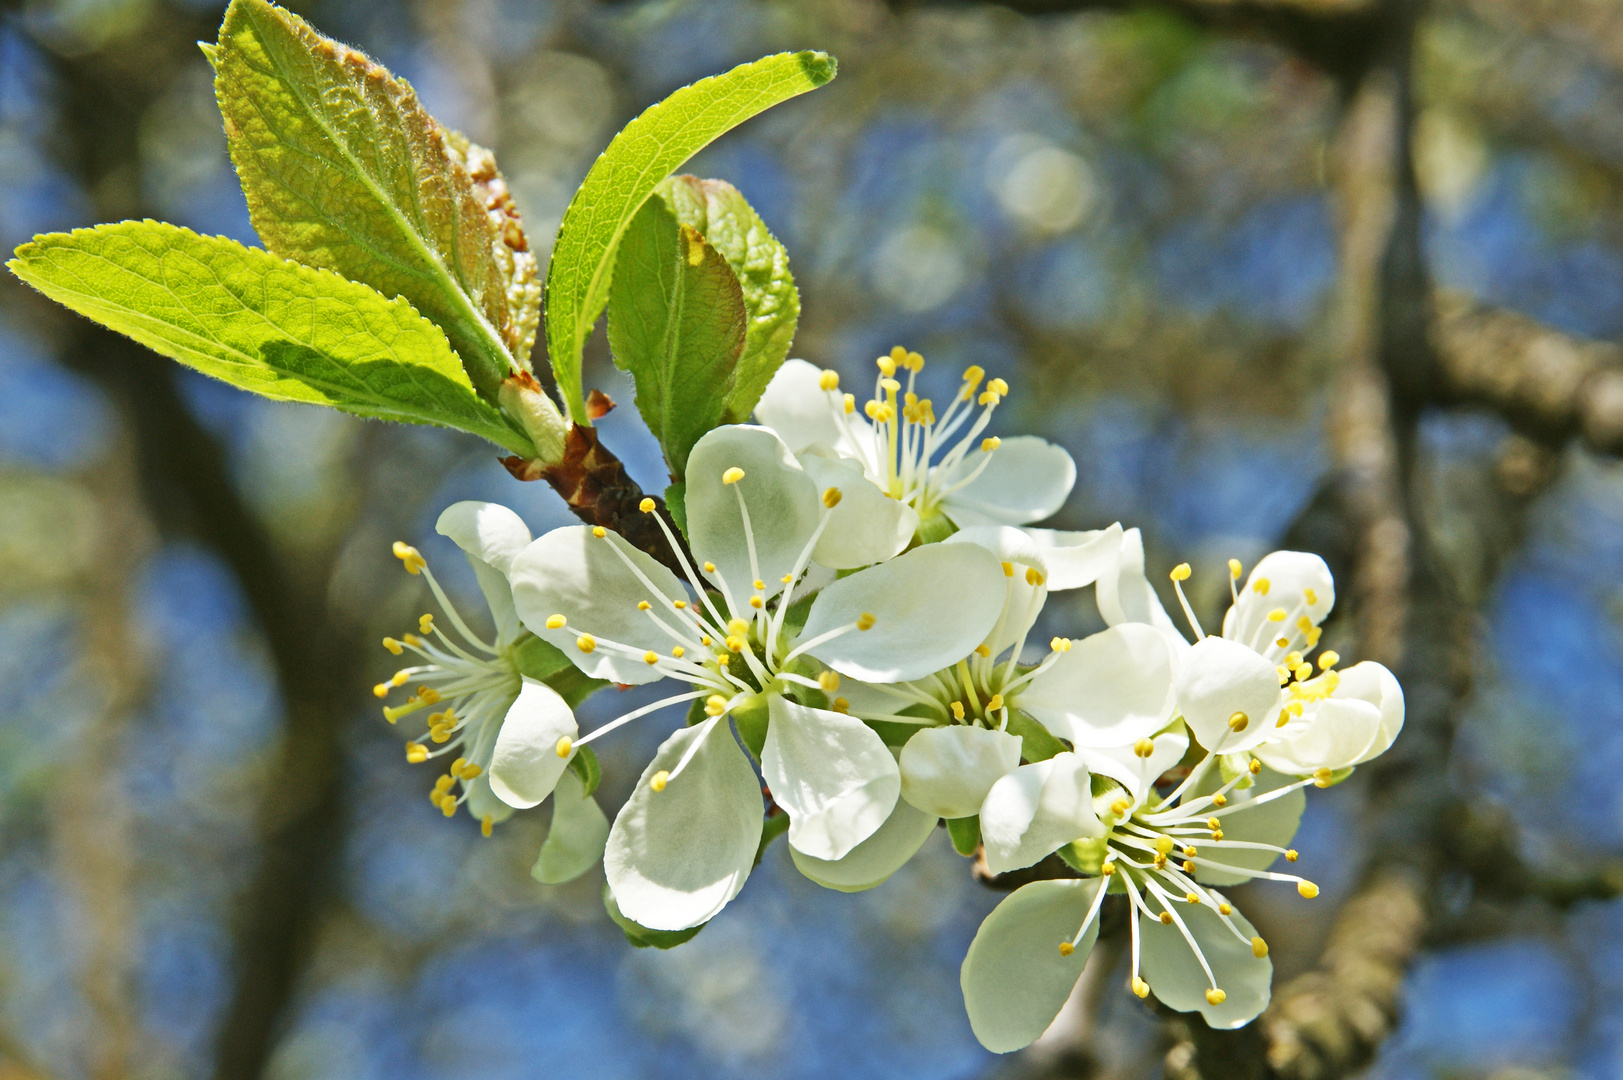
(852,628)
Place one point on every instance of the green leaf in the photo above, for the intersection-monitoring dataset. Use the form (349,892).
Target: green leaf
(676,501)
(676,322)
(772,828)
(587,767)
(286,331)
(650,148)
(731,226)
(639,935)
(344,169)
(965,833)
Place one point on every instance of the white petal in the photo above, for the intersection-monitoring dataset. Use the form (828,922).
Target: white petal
(947,771)
(489,532)
(575,841)
(1272,822)
(1372,682)
(1027,479)
(800,411)
(782,501)
(832,773)
(1290,575)
(675,857)
(1137,775)
(1175,976)
(1036,810)
(866,526)
(583,577)
(1110,689)
(499,595)
(931,607)
(1023,601)
(1218,678)
(1125,594)
(1014,978)
(876,858)
(1076,559)
(1333,734)
(525,765)
(483,801)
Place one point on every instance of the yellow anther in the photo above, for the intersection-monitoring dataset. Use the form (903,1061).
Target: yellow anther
(1120,806)
(957,710)
(887,366)
(599,531)
(1284,718)
(828,380)
(787,579)
(850,404)
(586,643)
(1292,659)
(1188,867)
(1066,948)
(1217,834)
(659,780)
(1163,844)
(759,584)
(440,734)
(994,703)
(443,784)
(1008,569)
(392,645)
(998,387)
(840,705)
(1292,855)
(1181,572)
(987,398)
(709,567)
(1166,918)
(469,772)
(678,652)
(643,605)
(399,678)
(679,605)
(448,806)
(487,825)
(1191,898)
(1322,777)
(1214,823)
(1255,767)
(705,641)
(646,506)
(457,766)
(416,753)
(1261,586)
(428,695)
(1140,987)
(1107,868)
(1224,909)
(889,385)
(1060,644)
(1239,722)
(832,497)
(865,621)
(1310,596)
(973,374)
(990,443)
(1034,576)
(732,475)
(412,639)
(829,681)
(1282,642)
(650,657)
(983,650)
(381,690)
(1219,799)
(1214,996)
(715,705)
(1307,889)
(738,627)
(757,603)
(1328,659)
(1259,948)
(1189,852)
(1144,747)
(410,556)
(1234,569)
(556,622)
(735,643)
(1304,624)
(1277,615)
(425,624)
(1303,672)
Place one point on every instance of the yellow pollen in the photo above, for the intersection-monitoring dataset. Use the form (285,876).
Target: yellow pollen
(1181,572)
(1214,996)
(832,497)
(399,678)
(643,605)
(991,443)
(1140,987)
(1191,898)
(416,753)
(1239,722)
(994,703)
(599,531)
(829,681)
(650,657)
(448,806)
(1293,659)
(872,408)
(1107,868)
(1282,642)
(1008,569)
(1188,867)
(850,404)
(556,622)
(1214,823)
(412,639)
(887,366)
(1305,624)
(983,650)
(425,624)
(787,579)
(865,621)
(1259,948)
(381,690)
(1292,855)
(998,387)
(678,652)
(705,641)
(1277,615)
(428,695)
(1166,918)
(973,374)
(1189,852)
(1328,659)
(1217,834)
(1255,767)
(392,645)
(759,584)
(443,784)
(646,506)
(469,772)
(732,475)
(1220,799)
(738,627)
(410,556)
(715,705)
(1120,806)
(659,780)
(840,705)
(757,603)
(487,825)
(735,644)
(828,380)
(1144,747)
(1163,844)
(586,643)
(1066,948)
(1060,644)
(1307,889)
(1284,718)
(1234,569)
(1260,586)
(988,398)
(958,710)
(457,766)
(1224,909)
(679,605)
(440,734)
(1310,596)
(1322,777)
(1034,577)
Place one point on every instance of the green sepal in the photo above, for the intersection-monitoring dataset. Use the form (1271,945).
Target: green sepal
(538,659)
(935,528)
(965,833)
(696,714)
(1085,856)
(639,935)
(752,718)
(676,501)
(1036,742)
(773,827)
(574,685)
(586,766)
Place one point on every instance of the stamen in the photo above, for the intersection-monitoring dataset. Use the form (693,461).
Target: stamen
(732,475)
(646,506)
(410,556)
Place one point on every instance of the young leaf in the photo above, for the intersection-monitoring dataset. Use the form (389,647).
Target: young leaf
(270,325)
(731,226)
(652,146)
(344,169)
(676,322)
